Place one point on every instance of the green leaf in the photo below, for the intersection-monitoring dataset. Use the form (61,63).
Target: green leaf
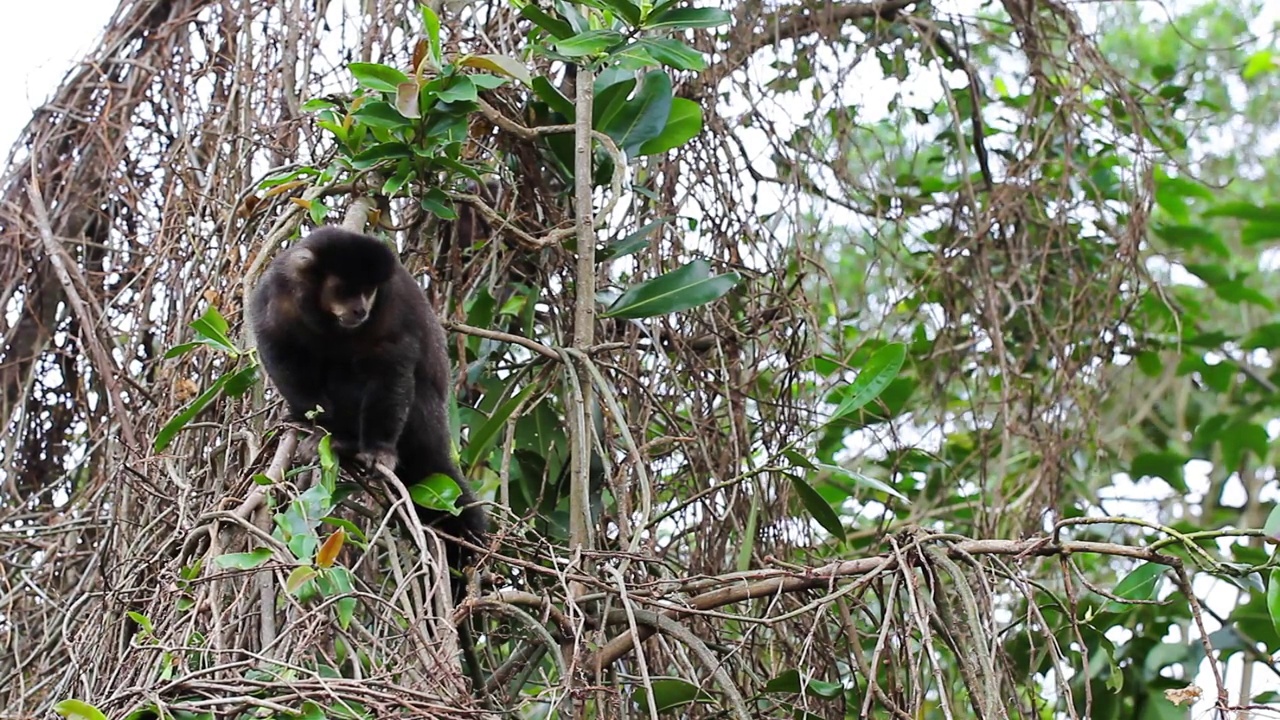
(552,96)
(500,64)
(674,53)
(143,621)
(609,101)
(669,694)
(1167,466)
(460,90)
(317,104)
(1258,63)
(211,329)
(687,18)
(1273,598)
(790,682)
(1259,232)
(632,243)
(873,378)
(439,204)
(818,508)
(241,380)
(483,437)
(591,42)
(437,492)
(858,478)
(557,27)
(78,710)
(680,289)
(644,117)
(379,153)
(403,174)
(628,11)
(1272,526)
(182,349)
(431,23)
(1188,237)
(1246,211)
(684,122)
(1141,584)
(244,560)
(298,577)
(179,421)
(377,77)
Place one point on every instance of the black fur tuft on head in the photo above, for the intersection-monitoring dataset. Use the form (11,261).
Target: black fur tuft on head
(359,260)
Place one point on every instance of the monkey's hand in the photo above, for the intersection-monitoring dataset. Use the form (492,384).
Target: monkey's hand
(385,456)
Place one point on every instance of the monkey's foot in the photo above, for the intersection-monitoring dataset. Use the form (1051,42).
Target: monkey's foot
(383,456)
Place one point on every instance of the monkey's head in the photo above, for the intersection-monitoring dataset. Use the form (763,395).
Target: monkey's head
(341,271)
(348,305)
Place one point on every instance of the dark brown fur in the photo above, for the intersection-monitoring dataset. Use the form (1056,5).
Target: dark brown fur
(342,325)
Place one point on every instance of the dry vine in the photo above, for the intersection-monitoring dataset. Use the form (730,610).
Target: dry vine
(130,206)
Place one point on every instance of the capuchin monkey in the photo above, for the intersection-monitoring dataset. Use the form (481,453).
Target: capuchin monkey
(340,324)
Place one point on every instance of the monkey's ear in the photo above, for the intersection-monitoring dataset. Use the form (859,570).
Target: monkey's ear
(301,260)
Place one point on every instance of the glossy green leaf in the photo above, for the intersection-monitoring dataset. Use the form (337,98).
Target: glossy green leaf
(382,115)
(244,560)
(669,694)
(239,382)
(555,26)
(298,577)
(379,153)
(644,117)
(483,438)
(609,101)
(686,287)
(501,64)
(674,53)
(72,709)
(632,243)
(591,42)
(626,9)
(1141,584)
(790,681)
(818,508)
(684,122)
(179,421)
(437,492)
(554,99)
(873,378)
(1273,599)
(858,478)
(687,18)
(376,76)
(431,23)
(143,621)
(439,204)
(1272,525)
(460,90)
(211,329)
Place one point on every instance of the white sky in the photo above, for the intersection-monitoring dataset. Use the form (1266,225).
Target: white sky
(39,41)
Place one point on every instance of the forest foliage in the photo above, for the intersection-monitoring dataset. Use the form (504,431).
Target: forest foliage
(871,359)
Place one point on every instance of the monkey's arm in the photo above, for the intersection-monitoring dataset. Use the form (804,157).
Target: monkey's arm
(385,406)
(295,374)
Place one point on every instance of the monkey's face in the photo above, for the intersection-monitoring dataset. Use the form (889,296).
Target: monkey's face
(349,306)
